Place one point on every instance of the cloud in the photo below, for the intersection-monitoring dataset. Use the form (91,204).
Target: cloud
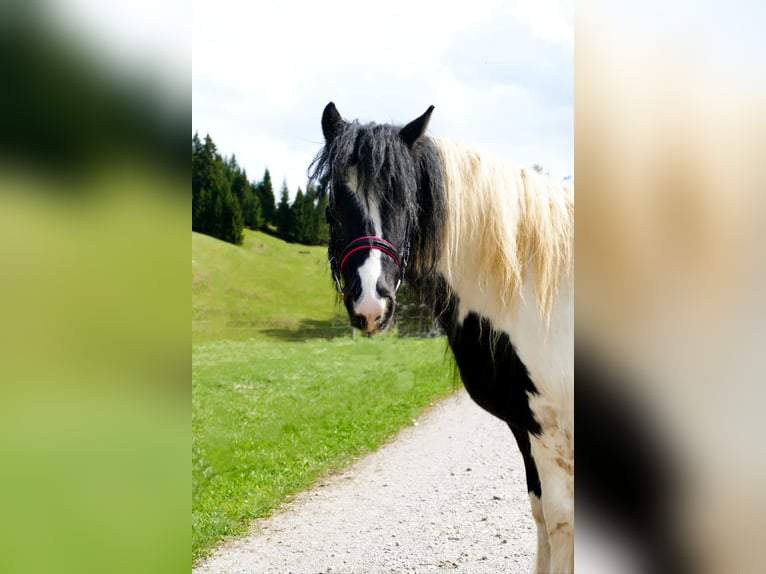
(499,74)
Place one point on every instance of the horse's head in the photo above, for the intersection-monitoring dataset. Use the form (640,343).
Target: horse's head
(371,177)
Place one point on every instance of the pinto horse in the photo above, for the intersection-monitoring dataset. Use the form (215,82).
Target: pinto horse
(489,247)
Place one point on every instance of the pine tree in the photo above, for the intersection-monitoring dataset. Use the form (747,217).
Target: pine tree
(238,179)
(213,223)
(265,193)
(284,216)
(208,179)
(215,211)
(202,176)
(243,191)
(301,219)
(230,218)
(253,212)
(196,176)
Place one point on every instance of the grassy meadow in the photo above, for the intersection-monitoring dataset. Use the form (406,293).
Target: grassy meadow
(281,392)
(265,286)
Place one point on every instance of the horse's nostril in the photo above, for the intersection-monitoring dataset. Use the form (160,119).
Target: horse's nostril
(367,323)
(359,321)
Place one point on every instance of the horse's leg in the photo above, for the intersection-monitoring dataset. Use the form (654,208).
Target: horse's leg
(553,453)
(543,556)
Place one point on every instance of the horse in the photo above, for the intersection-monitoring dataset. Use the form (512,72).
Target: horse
(489,247)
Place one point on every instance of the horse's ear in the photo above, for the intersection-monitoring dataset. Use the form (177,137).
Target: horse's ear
(416,128)
(331,122)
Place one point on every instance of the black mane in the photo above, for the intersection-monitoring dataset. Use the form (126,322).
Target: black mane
(402,180)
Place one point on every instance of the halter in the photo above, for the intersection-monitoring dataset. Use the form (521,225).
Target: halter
(369,242)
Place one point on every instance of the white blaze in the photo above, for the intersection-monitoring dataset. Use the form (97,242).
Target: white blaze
(370,304)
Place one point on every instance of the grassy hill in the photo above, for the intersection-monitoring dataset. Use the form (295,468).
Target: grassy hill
(264,286)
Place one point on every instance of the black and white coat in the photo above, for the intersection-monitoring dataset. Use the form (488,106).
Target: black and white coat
(490,249)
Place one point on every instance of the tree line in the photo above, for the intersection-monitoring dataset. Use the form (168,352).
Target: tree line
(225,201)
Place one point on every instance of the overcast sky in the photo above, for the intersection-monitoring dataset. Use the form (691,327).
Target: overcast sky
(500,73)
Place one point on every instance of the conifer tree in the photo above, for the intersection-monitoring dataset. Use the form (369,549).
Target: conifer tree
(230,218)
(215,211)
(284,214)
(243,191)
(265,193)
(251,211)
(196,169)
(301,219)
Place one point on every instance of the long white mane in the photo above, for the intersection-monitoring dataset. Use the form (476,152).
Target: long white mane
(514,219)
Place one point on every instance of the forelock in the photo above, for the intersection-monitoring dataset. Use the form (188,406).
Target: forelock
(382,162)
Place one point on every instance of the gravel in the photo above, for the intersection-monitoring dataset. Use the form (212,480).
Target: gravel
(447,494)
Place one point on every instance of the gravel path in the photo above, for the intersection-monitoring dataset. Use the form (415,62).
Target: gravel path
(447,494)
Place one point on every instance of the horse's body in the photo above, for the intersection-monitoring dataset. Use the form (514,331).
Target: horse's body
(489,247)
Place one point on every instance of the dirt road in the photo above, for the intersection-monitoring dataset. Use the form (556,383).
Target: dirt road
(447,494)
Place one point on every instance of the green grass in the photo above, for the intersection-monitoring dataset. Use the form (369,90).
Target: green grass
(281,394)
(266,286)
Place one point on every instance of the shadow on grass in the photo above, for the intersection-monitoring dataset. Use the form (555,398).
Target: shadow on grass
(310,329)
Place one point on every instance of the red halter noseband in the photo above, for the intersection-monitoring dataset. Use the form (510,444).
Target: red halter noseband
(370,242)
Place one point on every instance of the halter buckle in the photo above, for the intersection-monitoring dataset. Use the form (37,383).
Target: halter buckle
(337,285)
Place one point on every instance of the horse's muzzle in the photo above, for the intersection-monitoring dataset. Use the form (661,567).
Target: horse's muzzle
(371,319)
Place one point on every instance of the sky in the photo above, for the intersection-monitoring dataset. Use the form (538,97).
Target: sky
(499,73)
